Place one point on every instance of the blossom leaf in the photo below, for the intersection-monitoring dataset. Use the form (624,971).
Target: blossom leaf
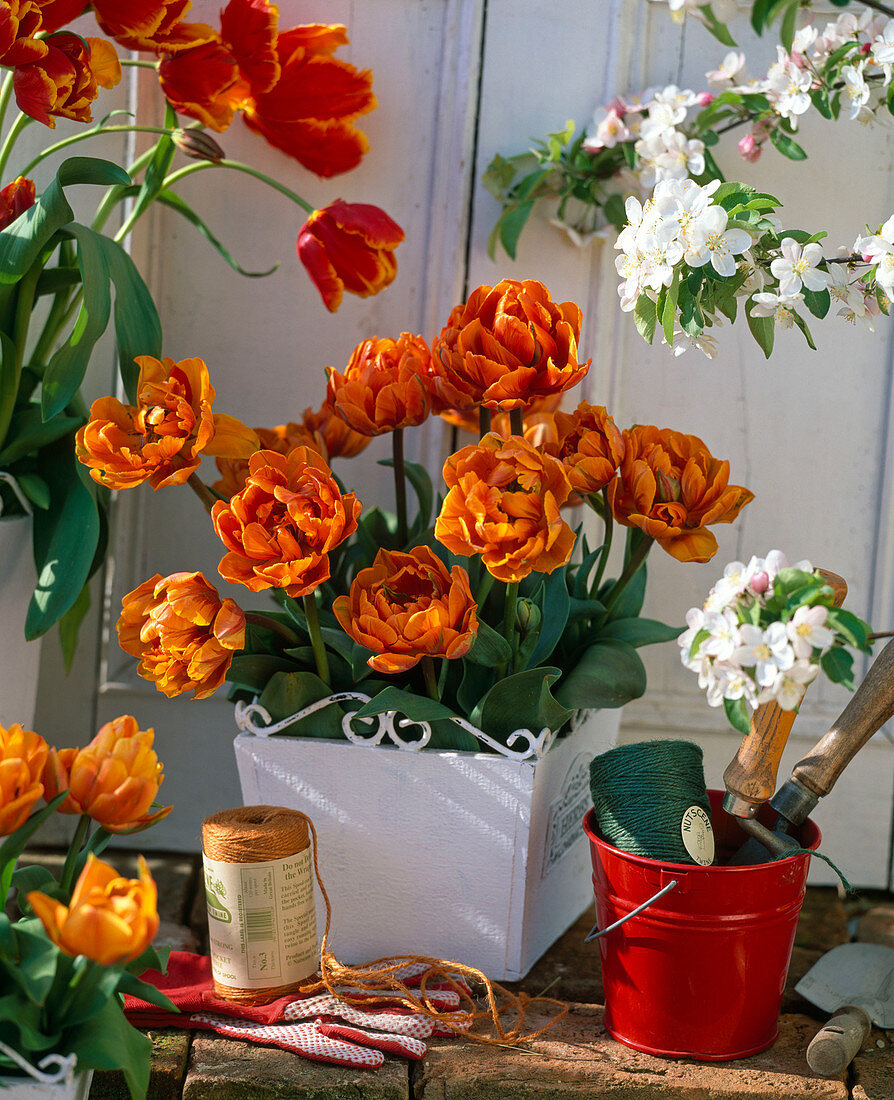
(802,325)
(718,29)
(786,146)
(787,29)
(850,626)
(817,301)
(645,317)
(736,711)
(763,332)
(838,666)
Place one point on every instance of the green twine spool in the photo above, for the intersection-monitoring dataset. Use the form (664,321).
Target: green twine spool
(641,792)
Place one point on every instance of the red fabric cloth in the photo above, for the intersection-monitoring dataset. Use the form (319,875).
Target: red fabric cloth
(188,983)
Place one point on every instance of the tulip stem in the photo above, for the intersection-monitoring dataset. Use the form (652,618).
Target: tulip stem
(484,421)
(258,618)
(509,624)
(189,169)
(516,422)
(609,521)
(94,131)
(487,583)
(431,681)
(20,123)
(634,562)
(316,638)
(202,491)
(400,485)
(71,860)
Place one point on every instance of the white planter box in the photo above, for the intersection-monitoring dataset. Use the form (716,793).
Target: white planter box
(73,1087)
(464,856)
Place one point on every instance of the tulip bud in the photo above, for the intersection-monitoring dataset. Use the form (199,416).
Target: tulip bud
(527,616)
(198,144)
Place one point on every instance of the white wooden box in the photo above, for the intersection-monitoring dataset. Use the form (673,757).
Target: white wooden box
(464,856)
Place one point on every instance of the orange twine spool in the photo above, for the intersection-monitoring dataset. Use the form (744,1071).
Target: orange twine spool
(257,835)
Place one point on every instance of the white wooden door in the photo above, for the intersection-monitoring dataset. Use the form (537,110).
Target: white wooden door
(458,81)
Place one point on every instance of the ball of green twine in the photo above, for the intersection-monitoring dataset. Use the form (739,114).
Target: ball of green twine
(641,792)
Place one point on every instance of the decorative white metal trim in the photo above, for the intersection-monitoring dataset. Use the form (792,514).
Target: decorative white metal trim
(54,1069)
(376,728)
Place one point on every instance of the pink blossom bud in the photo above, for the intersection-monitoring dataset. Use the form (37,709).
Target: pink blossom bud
(749,148)
(618,106)
(866,48)
(704,98)
(759,583)
(867,259)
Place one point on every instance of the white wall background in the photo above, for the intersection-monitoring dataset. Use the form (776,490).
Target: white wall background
(458,81)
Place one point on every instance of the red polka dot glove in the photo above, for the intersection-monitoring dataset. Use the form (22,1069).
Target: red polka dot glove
(320,1040)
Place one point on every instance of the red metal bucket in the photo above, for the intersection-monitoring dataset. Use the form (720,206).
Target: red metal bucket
(700,973)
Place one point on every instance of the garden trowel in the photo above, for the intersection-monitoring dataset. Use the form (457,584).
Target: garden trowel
(855,982)
(871,705)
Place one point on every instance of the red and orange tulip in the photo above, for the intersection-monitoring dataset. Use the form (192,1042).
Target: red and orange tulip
(162,439)
(280,529)
(183,633)
(408,606)
(65,81)
(349,246)
(23,757)
(155,25)
(114,780)
(506,346)
(671,486)
(15,199)
(385,385)
(503,504)
(111,920)
(288,86)
(20,23)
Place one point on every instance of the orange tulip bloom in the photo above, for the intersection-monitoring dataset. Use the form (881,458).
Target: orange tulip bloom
(385,385)
(349,246)
(183,633)
(23,756)
(114,780)
(408,606)
(504,503)
(505,346)
(67,79)
(537,413)
(281,439)
(20,21)
(110,920)
(155,25)
(162,439)
(590,446)
(339,441)
(280,529)
(670,486)
(15,199)
(288,86)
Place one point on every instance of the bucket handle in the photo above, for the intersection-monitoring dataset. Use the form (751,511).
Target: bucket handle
(595,934)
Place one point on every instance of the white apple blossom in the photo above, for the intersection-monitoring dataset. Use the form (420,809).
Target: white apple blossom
(726,72)
(732,682)
(788,688)
(607,131)
(807,630)
(681,156)
(683,342)
(767,651)
(856,91)
(883,48)
(720,245)
(723,634)
(797,266)
(788,87)
(778,306)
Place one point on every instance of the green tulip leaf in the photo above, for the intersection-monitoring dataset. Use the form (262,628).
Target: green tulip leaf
(521,701)
(555,606)
(287,693)
(418,707)
(609,674)
(489,648)
(28,432)
(108,1041)
(253,670)
(639,632)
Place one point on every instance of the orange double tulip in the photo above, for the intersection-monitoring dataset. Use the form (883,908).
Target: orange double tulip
(349,246)
(671,486)
(111,920)
(280,529)
(161,439)
(503,503)
(408,606)
(590,446)
(385,385)
(114,780)
(183,633)
(23,757)
(506,346)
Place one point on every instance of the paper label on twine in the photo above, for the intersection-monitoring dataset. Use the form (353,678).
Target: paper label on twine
(698,836)
(261,921)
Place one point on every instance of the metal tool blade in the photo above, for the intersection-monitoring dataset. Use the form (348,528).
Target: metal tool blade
(853,973)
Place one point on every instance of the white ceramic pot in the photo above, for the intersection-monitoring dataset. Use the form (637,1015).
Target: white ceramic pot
(461,855)
(19,660)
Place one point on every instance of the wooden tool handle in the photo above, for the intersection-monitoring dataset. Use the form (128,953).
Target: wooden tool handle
(751,774)
(871,706)
(834,1047)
